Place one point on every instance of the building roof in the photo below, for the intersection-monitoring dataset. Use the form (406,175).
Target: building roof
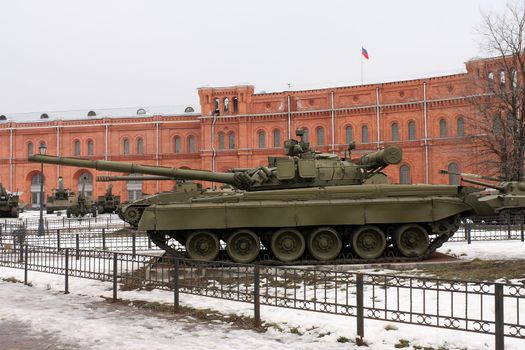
(80,114)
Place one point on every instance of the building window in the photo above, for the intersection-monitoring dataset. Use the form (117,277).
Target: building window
(490,80)
(276,138)
(404,174)
(36,179)
(320,136)
(461,126)
(395,132)
(30,149)
(502,78)
(85,180)
(348,135)
(217,105)
(189,109)
(305,134)
(235,105)
(364,134)
(226,105)
(411,130)
(514,78)
(221,141)
(442,128)
(125,146)
(92,114)
(177,144)
(453,179)
(140,146)
(77,148)
(191,144)
(231,140)
(261,136)
(134,189)
(90,148)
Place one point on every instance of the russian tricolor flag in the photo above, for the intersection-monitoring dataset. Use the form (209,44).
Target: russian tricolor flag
(364,52)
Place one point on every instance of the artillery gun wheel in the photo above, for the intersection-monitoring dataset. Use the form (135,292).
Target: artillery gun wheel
(287,244)
(411,240)
(202,245)
(368,242)
(324,243)
(243,246)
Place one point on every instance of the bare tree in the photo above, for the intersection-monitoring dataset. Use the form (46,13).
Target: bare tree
(500,93)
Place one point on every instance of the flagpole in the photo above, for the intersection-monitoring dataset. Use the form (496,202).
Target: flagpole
(361,64)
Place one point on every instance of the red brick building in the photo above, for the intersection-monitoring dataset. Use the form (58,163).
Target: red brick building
(235,127)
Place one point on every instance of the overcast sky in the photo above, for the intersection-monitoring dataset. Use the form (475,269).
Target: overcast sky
(64,54)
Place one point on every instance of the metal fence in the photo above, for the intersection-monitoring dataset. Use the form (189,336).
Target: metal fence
(489,229)
(479,307)
(8,225)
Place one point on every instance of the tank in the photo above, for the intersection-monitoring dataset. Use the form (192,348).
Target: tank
(108,203)
(80,205)
(303,207)
(59,199)
(505,201)
(8,203)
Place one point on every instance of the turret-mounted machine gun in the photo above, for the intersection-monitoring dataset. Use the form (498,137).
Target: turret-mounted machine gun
(507,202)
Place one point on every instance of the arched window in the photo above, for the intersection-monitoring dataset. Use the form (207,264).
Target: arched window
(77,148)
(320,136)
(92,114)
(395,132)
(305,134)
(221,141)
(404,174)
(442,128)
(231,140)
(261,136)
(90,148)
(502,78)
(348,135)
(191,144)
(411,130)
(453,179)
(461,126)
(177,144)
(134,189)
(235,105)
(490,80)
(189,109)
(36,179)
(276,138)
(217,105)
(226,104)
(125,146)
(364,134)
(86,179)
(30,149)
(141,111)
(140,146)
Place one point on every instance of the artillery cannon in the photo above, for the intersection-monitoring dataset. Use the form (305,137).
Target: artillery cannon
(108,203)
(59,199)
(303,207)
(8,203)
(79,205)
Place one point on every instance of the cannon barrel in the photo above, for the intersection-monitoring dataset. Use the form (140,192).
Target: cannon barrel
(475,182)
(110,190)
(124,167)
(132,178)
(474,176)
(388,155)
(60,184)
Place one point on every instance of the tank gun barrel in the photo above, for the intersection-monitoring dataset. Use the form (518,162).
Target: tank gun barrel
(180,174)
(474,176)
(132,178)
(475,182)
(382,158)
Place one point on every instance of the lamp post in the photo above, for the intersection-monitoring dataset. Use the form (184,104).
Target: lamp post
(42,149)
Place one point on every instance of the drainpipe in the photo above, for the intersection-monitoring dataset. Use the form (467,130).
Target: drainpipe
(377,116)
(333,122)
(426,129)
(213,151)
(157,148)
(106,144)
(58,152)
(11,159)
(289,118)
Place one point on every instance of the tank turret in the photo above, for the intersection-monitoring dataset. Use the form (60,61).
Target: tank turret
(81,204)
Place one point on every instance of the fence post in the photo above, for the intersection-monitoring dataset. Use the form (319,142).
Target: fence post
(176,285)
(63,221)
(149,242)
(66,291)
(509,235)
(360,310)
(103,239)
(58,239)
(499,320)
(115,277)
(521,233)
(0,235)
(256,296)
(469,235)
(25,264)
(133,244)
(77,246)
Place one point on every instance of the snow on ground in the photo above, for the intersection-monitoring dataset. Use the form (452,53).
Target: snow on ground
(485,250)
(81,318)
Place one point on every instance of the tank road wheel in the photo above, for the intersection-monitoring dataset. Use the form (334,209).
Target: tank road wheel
(132,215)
(324,243)
(368,242)
(202,245)
(243,246)
(287,244)
(411,240)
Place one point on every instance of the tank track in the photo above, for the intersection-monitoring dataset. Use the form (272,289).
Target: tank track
(444,229)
